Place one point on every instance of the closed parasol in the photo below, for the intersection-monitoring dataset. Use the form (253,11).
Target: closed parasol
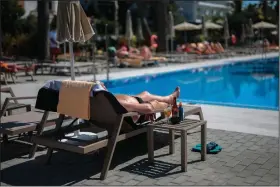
(226,32)
(72,26)
(128,27)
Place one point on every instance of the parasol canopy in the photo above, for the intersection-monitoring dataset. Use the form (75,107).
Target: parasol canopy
(210,25)
(72,26)
(264,25)
(72,22)
(185,26)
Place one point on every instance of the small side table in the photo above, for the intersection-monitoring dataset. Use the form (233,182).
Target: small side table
(182,127)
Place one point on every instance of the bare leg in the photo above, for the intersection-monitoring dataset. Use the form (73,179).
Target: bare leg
(147,97)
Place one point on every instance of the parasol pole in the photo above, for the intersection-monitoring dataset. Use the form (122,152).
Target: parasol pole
(171,31)
(93,60)
(64,49)
(106,45)
(72,61)
(167,48)
(93,55)
(0,32)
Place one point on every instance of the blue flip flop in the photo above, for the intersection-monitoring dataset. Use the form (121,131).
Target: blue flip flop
(211,147)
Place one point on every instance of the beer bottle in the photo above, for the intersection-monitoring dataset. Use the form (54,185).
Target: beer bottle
(175,109)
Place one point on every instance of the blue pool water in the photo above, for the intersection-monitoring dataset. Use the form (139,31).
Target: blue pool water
(250,84)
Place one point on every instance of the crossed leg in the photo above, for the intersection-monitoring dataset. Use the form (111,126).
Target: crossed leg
(147,97)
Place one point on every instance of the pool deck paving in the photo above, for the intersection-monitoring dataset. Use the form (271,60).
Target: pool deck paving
(250,154)
(246,159)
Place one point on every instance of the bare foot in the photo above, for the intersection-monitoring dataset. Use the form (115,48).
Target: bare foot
(176,94)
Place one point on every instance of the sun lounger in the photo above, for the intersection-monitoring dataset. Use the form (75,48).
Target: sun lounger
(106,113)
(66,66)
(24,122)
(129,62)
(7,73)
(140,62)
(10,106)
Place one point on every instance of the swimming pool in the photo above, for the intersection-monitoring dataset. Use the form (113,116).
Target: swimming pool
(249,84)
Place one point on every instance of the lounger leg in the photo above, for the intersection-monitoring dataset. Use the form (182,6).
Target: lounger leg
(49,156)
(184,150)
(12,77)
(40,129)
(5,78)
(150,144)
(171,142)
(201,115)
(78,70)
(203,141)
(5,138)
(28,108)
(10,112)
(111,148)
(57,127)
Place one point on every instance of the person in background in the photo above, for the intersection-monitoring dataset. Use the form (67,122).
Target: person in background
(112,55)
(154,44)
(233,39)
(54,46)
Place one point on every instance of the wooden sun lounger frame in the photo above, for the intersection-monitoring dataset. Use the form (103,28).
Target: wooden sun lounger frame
(6,108)
(54,67)
(28,128)
(110,143)
(143,63)
(6,74)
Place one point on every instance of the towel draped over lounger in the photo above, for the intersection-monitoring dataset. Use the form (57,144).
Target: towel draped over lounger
(74,99)
(49,95)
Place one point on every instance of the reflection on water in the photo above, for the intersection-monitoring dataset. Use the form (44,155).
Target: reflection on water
(245,84)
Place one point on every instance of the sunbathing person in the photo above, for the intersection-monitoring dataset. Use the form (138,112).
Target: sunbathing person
(220,47)
(145,103)
(214,47)
(192,48)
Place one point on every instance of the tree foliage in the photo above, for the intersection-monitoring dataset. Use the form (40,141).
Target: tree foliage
(19,34)
(11,13)
(264,11)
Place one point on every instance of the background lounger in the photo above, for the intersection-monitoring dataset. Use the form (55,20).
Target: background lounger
(14,104)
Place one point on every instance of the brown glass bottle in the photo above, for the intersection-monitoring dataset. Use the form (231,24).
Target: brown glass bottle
(175,108)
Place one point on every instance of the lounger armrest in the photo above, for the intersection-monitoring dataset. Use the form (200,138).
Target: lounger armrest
(21,98)
(130,114)
(7,100)
(5,90)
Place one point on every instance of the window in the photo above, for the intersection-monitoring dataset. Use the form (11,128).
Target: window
(221,13)
(207,12)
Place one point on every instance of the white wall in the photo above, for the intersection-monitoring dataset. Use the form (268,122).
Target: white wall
(29,6)
(32,5)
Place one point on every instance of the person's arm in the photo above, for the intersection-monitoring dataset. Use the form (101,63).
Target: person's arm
(53,41)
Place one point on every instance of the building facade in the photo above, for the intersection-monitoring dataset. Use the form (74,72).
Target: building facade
(194,10)
(30,7)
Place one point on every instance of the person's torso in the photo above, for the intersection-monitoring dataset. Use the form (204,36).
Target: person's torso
(52,36)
